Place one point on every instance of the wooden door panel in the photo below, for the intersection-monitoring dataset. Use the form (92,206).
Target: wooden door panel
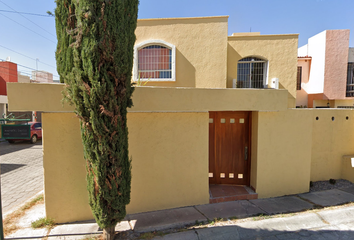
(229,135)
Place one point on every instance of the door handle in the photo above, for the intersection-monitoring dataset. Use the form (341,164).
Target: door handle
(246,153)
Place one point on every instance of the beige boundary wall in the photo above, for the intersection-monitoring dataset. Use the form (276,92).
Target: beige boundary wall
(331,140)
(281,158)
(168,142)
(300,145)
(169,169)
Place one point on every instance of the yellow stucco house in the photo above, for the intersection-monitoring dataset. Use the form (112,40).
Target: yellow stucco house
(216,109)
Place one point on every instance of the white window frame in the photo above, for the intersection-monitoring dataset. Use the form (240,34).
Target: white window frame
(149,43)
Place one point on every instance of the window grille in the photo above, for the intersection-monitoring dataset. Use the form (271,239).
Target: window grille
(299,77)
(251,73)
(155,62)
(350,80)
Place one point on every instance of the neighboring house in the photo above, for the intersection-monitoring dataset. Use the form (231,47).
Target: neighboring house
(325,71)
(23,78)
(9,73)
(42,77)
(216,109)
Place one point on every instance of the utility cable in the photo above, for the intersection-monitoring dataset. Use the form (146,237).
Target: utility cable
(14,75)
(28,28)
(27,56)
(26,67)
(28,19)
(34,14)
(11,74)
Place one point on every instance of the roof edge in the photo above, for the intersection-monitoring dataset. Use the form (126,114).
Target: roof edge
(182,18)
(266,35)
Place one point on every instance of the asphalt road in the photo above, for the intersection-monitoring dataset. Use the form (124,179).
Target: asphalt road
(21,172)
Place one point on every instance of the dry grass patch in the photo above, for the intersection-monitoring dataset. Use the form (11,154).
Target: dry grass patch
(43,222)
(93,238)
(10,220)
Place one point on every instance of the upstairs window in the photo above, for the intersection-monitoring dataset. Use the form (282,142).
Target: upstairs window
(350,80)
(299,77)
(251,73)
(154,61)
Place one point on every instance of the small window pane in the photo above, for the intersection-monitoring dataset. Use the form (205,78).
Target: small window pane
(155,61)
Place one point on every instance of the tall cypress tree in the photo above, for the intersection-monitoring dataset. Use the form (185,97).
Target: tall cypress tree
(95,58)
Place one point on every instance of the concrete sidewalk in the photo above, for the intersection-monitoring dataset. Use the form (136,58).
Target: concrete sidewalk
(178,218)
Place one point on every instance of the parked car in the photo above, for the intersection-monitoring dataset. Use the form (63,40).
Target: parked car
(36,132)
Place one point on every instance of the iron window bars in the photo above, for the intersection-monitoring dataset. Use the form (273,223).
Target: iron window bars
(251,73)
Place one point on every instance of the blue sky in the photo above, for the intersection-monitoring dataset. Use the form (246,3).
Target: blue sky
(34,36)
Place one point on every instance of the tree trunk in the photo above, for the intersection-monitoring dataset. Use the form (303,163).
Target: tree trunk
(109,233)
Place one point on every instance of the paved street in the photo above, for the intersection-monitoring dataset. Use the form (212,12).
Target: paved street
(331,224)
(21,172)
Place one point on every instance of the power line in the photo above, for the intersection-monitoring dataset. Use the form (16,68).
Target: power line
(28,28)
(14,75)
(28,19)
(34,14)
(20,73)
(27,56)
(27,67)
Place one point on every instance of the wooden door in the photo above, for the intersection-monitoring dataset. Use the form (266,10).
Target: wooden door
(229,148)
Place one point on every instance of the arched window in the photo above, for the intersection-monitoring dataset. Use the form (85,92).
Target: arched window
(154,60)
(251,73)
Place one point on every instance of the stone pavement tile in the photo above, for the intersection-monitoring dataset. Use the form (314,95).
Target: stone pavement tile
(304,221)
(312,236)
(29,232)
(26,173)
(267,238)
(238,209)
(262,228)
(349,225)
(348,189)
(79,228)
(282,204)
(123,226)
(288,236)
(190,235)
(318,233)
(331,234)
(329,197)
(165,219)
(75,237)
(279,226)
(219,233)
(338,216)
